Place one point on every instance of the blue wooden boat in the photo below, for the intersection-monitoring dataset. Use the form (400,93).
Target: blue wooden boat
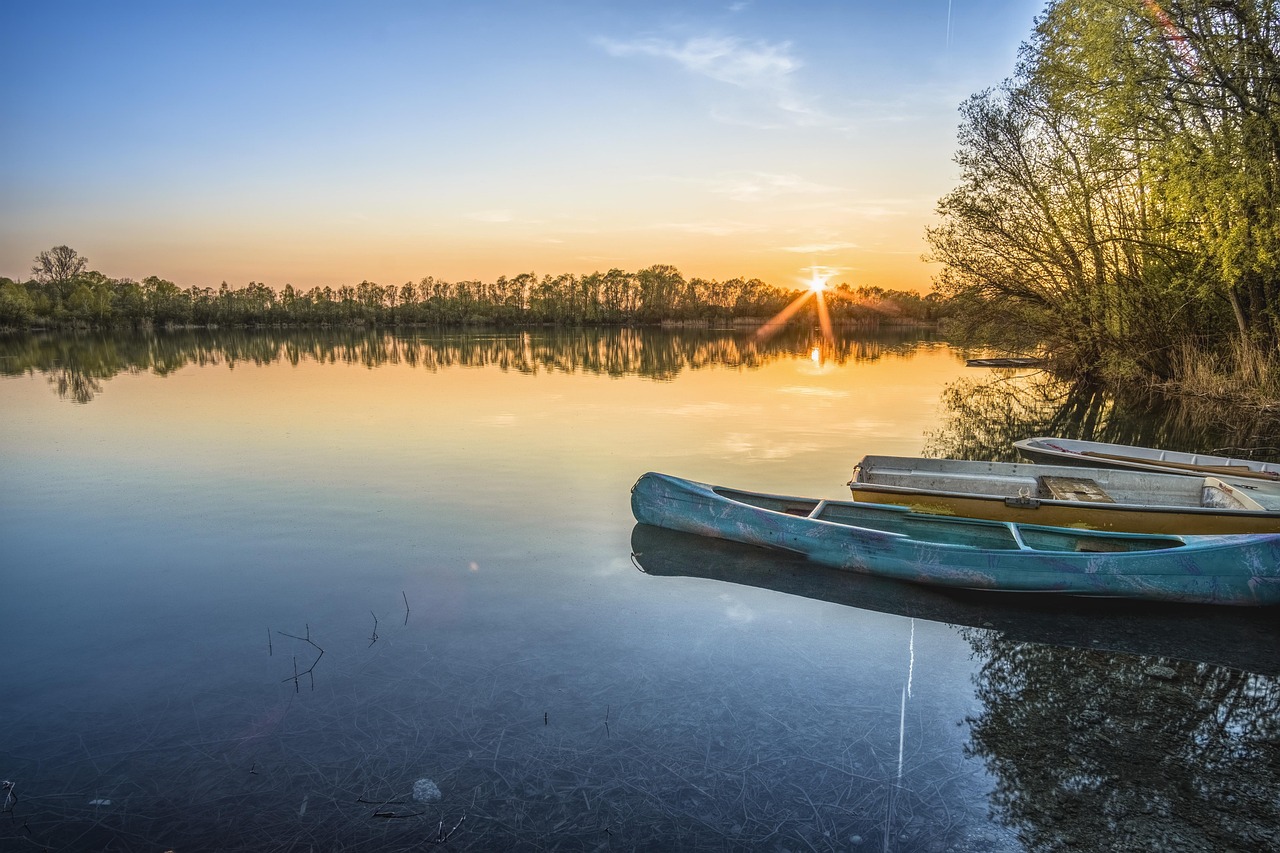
(1246,638)
(970,553)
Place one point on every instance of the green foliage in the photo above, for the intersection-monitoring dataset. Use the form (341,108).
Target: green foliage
(1120,196)
(652,295)
(17,308)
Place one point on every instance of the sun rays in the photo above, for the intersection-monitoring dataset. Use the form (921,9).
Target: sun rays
(816,288)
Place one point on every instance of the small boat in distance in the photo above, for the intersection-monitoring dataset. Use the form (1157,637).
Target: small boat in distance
(969,553)
(1010,361)
(1099,454)
(1068,496)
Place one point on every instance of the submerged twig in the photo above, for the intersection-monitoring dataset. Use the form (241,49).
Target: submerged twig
(396,815)
(309,670)
(374,638)
(442,836)
(406,607)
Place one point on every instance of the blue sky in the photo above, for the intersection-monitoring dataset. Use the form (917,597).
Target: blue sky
(325,143)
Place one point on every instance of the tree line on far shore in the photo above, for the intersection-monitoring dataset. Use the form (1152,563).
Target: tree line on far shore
(63,293)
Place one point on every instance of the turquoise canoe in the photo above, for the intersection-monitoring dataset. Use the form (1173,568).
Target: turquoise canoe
(969,553)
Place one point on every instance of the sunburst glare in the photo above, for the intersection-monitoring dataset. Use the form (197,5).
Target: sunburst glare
(816,287)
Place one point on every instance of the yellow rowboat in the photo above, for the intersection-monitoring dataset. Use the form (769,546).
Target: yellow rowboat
(1071,496)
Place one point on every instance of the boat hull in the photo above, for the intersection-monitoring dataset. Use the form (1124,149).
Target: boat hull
(1070,496)
(1238,637)
(1075,514)
(1061,451)
(1235,570)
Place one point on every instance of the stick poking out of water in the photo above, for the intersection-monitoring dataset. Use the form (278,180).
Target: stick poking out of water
(309,670)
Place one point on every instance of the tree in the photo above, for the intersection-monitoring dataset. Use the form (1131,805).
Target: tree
(58,265)
(1119,196)
(16,308)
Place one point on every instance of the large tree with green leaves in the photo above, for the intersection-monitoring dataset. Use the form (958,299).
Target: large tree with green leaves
(1118,196)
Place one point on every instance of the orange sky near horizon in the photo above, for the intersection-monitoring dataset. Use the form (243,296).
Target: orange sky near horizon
(327,143)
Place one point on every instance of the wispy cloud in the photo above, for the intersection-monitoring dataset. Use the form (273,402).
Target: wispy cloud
(712,228)
(762,185)
(819,248)
(762,68)
(724,58)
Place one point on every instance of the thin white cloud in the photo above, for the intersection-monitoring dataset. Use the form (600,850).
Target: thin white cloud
(819,248)
(763,185)
(724,58)
(761,68)
(711,228)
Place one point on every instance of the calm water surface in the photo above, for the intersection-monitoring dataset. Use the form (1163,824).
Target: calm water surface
(365,591)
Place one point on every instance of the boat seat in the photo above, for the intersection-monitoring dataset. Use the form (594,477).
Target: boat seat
(1074,489)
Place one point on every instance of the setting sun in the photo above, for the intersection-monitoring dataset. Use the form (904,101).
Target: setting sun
(817,284)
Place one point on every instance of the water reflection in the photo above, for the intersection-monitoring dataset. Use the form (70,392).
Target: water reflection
(77,365)
(1239,638)
(1098,719)
(982,417)
(1148,754)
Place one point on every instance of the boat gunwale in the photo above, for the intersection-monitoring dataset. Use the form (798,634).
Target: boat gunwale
(1013,528)
(1157,462)
(1227,512)
(1202,569)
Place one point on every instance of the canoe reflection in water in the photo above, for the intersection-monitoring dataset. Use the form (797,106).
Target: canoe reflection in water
(1109,719)
(1240,638)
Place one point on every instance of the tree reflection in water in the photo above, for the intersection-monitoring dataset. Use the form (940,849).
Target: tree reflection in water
(1141,746)
(1104,750)
(1095,749)
(76,364)
(981,418)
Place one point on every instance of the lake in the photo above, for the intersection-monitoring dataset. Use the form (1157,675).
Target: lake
(340,590)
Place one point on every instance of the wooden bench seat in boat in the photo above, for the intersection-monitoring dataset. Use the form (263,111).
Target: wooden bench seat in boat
(1074,489)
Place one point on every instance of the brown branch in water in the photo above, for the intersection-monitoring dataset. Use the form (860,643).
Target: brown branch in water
(397,816)
(406,607)
(309,670)
(374,638)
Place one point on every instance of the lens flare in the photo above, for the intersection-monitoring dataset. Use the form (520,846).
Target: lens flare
(816,288)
